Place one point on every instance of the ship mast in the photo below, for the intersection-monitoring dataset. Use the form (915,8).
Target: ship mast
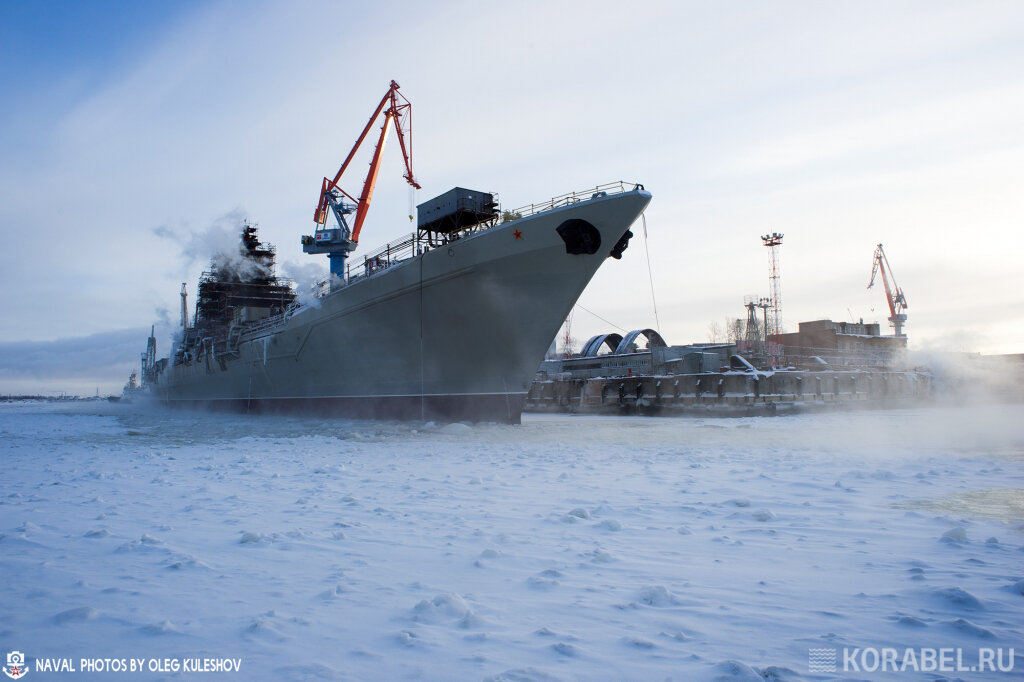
(184,307)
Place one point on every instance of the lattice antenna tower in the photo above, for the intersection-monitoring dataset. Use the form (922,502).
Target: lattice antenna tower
(773,241)
(568,344)
(756,337)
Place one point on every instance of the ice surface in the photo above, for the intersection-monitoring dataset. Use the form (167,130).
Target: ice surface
(595,548)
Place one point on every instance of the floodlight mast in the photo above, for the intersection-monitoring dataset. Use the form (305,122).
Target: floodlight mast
(773,241)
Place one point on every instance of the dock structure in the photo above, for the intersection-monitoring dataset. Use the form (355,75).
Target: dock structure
(732,393)
(721,379)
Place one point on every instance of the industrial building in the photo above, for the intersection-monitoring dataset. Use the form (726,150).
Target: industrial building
(762,369)
(842,344)
(826,363)
(819,344)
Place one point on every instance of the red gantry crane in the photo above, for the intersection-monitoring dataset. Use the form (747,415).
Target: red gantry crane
(338,242)
(893,295)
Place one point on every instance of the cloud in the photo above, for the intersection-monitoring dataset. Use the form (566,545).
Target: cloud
(164,232)
(840,126)
(74,365)
(978,120)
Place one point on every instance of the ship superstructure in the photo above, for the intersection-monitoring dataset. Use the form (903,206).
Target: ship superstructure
(239,290)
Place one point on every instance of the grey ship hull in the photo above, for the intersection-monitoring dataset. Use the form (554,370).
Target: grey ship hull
(456,333)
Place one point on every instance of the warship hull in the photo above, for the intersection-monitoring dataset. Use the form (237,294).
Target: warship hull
(454,333)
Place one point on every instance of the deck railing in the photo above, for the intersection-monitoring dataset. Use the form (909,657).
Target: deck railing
(576,197)
(392,253)
(250,328)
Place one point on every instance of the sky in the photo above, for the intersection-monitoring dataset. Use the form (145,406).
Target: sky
(130,132)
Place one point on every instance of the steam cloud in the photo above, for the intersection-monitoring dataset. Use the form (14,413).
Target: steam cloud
(307,278)
(219,241)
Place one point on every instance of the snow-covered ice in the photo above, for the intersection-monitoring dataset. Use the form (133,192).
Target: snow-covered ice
(570,547)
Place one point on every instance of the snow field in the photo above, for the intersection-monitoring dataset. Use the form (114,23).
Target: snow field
(594,548)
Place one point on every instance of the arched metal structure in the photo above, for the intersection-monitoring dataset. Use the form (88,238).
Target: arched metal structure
(626,344)
(593,346)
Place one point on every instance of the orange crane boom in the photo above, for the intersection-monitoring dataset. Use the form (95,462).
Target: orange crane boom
(338,242)
(897,301)
(397,110)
